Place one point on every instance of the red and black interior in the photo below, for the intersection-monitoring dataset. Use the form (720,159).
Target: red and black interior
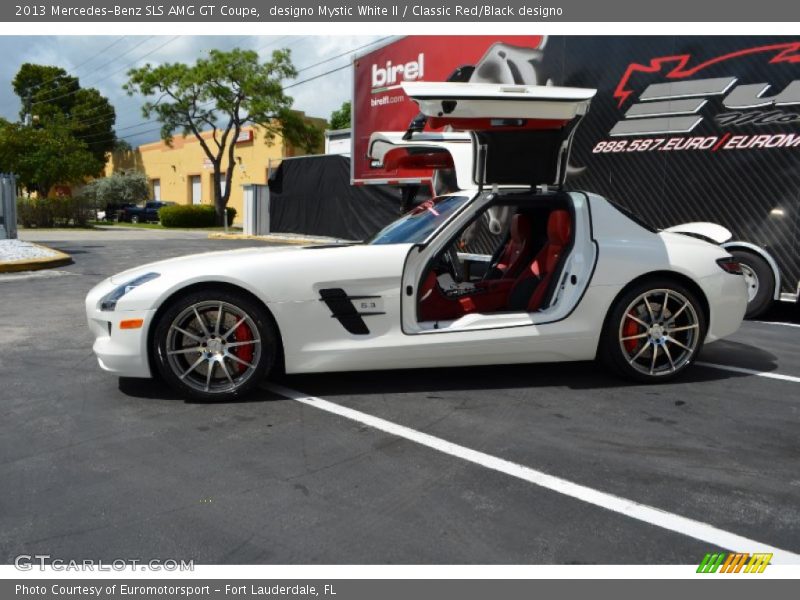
(523,274)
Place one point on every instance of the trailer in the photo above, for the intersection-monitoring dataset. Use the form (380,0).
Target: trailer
(696,133)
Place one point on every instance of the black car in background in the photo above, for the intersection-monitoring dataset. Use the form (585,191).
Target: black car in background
(142,214)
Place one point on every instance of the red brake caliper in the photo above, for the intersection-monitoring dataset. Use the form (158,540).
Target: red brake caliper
(245,352)
(630,328)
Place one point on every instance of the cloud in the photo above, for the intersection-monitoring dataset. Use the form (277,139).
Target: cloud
(102,62)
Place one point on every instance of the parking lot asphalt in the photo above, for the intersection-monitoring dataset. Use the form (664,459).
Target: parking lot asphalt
(99,467)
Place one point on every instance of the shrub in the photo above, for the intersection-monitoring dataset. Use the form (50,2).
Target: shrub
(54,212)
(118,189)
(192,215)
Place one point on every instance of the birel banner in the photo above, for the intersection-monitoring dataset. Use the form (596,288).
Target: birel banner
(379,103)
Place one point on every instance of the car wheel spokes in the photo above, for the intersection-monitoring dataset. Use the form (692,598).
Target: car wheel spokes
(205,358)
(659,333)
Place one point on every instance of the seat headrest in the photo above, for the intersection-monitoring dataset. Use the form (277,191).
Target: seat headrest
(559,227)
(521,228)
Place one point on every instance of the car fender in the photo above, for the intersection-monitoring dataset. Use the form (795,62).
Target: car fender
(710,231)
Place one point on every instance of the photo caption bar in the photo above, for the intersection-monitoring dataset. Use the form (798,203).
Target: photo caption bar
(391,11)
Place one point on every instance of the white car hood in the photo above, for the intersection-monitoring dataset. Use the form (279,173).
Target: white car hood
(207,258)
(278,273)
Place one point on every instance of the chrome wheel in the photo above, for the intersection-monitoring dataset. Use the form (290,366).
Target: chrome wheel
(213,347)
(659,332)
(751,279)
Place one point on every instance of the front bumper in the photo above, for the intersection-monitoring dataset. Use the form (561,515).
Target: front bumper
(120,351)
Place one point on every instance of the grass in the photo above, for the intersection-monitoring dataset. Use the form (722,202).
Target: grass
(126,224)
(95,224)
(158,226)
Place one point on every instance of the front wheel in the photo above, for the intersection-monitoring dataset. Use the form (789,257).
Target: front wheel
(653,332)
(214,345)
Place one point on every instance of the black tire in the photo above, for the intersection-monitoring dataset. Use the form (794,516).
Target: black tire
(760,280)
(615,349)
(217,388)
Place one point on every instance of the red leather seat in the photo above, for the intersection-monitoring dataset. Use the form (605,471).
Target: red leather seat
(526,291)
(530,287)
(516,252)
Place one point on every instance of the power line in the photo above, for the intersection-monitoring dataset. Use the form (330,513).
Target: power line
(331,71)
(99,53)
(156,49)
(315,77)
(322,62)
(326,73)
(73,69)
(68,94)
(100,118)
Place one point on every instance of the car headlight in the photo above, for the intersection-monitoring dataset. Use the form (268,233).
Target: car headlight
(109,301)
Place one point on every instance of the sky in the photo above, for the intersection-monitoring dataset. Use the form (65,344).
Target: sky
(102,62)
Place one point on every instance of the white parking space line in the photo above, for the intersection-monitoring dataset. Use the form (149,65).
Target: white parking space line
(766,374)
(23,275)
(629,508)
(778,323)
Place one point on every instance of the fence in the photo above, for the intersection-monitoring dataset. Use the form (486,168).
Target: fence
(8,206)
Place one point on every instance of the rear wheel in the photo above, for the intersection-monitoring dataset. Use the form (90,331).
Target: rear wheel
(214,345)
(760,282)
(653,332)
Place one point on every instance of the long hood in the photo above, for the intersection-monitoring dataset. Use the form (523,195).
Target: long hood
(280,274)
(211,261)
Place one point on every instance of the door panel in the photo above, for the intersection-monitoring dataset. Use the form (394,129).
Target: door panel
(197,189)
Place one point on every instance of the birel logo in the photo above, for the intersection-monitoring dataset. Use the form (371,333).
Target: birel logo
(666,112)
(390,76)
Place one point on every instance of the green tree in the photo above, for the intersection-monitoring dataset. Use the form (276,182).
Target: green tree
(222,94)
(42,157)
(49,96)
(119,188)
(340,119)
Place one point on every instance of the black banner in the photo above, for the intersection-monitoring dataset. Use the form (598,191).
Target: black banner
(313,196)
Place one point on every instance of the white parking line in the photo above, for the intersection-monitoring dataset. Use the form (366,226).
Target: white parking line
(778,323)
(766,374)
(23,275)
(640,512)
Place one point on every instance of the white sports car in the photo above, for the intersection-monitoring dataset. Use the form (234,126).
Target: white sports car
(508,268)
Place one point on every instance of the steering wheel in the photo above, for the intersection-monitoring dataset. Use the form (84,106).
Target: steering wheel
(494,261)
(454,264)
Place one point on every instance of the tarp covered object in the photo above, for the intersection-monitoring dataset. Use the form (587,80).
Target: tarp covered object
(312,195)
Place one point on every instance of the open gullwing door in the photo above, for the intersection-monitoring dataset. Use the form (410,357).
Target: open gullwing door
(440,150)
(521,134)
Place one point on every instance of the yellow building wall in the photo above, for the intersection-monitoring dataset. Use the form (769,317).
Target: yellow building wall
(174,167)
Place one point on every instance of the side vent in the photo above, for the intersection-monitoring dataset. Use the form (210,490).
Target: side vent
(342,308)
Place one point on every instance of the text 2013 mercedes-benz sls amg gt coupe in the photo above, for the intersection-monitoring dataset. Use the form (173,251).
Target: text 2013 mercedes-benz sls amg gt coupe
(505,268)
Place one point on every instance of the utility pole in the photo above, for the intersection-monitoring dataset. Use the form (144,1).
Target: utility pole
(28,109)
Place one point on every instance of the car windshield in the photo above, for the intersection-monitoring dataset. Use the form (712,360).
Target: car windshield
(416,225)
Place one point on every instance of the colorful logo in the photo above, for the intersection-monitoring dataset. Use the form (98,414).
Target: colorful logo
(677,104)
(734,562)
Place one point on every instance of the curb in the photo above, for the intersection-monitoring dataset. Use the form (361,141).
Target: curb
(35,264)
(279,238)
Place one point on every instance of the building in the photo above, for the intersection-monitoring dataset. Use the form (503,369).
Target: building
(338,141)
(183,173)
